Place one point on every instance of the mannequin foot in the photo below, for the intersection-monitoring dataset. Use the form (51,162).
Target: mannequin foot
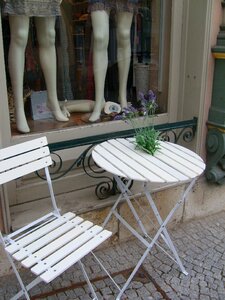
(21,122)
(95,116)
(59,116)
(123,103)
(23,128)
(65,111)
(57,112)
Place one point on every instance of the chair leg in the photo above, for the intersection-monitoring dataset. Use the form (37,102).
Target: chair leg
(88,281)
(87,278)
(28,287)
(23,288)
(104,269)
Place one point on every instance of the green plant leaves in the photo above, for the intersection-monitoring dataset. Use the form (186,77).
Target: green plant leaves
(147,139)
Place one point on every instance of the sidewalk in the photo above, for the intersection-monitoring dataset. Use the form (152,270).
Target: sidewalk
(200,243)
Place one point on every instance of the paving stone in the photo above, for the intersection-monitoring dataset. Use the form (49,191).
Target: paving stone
(106,291)
(131,294)
(204,297)
(173,295)
(63,296)
(157,296)
(70,294)
(54,297)
(150,287)
(120,279)
(136,285)
(79,292)
(194,294)
(108,297)
(86,297)
(147,298)
(143,291)
(99,284)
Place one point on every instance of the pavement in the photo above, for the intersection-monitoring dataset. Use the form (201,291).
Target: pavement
(201,246)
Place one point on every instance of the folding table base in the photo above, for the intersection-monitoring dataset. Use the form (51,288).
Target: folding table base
(161,232)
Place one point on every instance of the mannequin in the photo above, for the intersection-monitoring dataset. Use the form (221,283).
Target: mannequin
(100,22)
(19,17)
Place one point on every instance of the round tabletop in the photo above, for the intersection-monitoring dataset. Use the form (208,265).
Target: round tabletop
(171,163)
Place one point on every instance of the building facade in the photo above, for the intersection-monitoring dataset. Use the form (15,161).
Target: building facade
(171,44)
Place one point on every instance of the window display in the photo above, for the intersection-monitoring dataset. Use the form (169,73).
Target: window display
(19,13)
(65,63)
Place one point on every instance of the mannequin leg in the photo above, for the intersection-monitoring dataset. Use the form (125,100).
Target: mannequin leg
(19,28)
(124,21)
(100,25)
(46,38)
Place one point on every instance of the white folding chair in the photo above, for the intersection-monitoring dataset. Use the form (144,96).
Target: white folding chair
(53,243)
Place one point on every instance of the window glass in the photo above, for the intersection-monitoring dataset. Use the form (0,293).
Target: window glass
(138,42)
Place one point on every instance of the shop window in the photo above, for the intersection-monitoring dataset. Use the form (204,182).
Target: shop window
(149,65)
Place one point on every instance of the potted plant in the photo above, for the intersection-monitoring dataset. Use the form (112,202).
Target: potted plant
(146,137)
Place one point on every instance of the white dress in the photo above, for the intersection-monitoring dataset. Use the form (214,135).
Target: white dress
(37,8)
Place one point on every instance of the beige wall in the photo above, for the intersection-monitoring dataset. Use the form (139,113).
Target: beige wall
(1,216)
(216,21)
(201,20)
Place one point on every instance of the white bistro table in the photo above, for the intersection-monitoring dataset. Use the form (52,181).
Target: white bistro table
(170,164)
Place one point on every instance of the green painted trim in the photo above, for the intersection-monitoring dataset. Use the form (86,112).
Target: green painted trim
(96,139)
(218,49)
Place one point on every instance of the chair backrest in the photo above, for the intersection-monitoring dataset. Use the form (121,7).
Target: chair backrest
(24,158)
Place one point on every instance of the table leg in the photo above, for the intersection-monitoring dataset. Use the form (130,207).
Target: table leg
(166,236)
(113,209)
(125,191)
(162,230)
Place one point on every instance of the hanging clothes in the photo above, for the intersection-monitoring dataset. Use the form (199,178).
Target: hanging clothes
(37,8)
(117,5)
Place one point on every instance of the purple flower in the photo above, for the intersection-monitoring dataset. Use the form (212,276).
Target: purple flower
(151,96)
(148,102)
(147,107)
(129,111)
(118,117)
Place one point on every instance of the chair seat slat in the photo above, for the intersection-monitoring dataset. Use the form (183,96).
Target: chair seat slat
(38,233)
(74,244)
(46,239)
(71,259)
(56,244)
